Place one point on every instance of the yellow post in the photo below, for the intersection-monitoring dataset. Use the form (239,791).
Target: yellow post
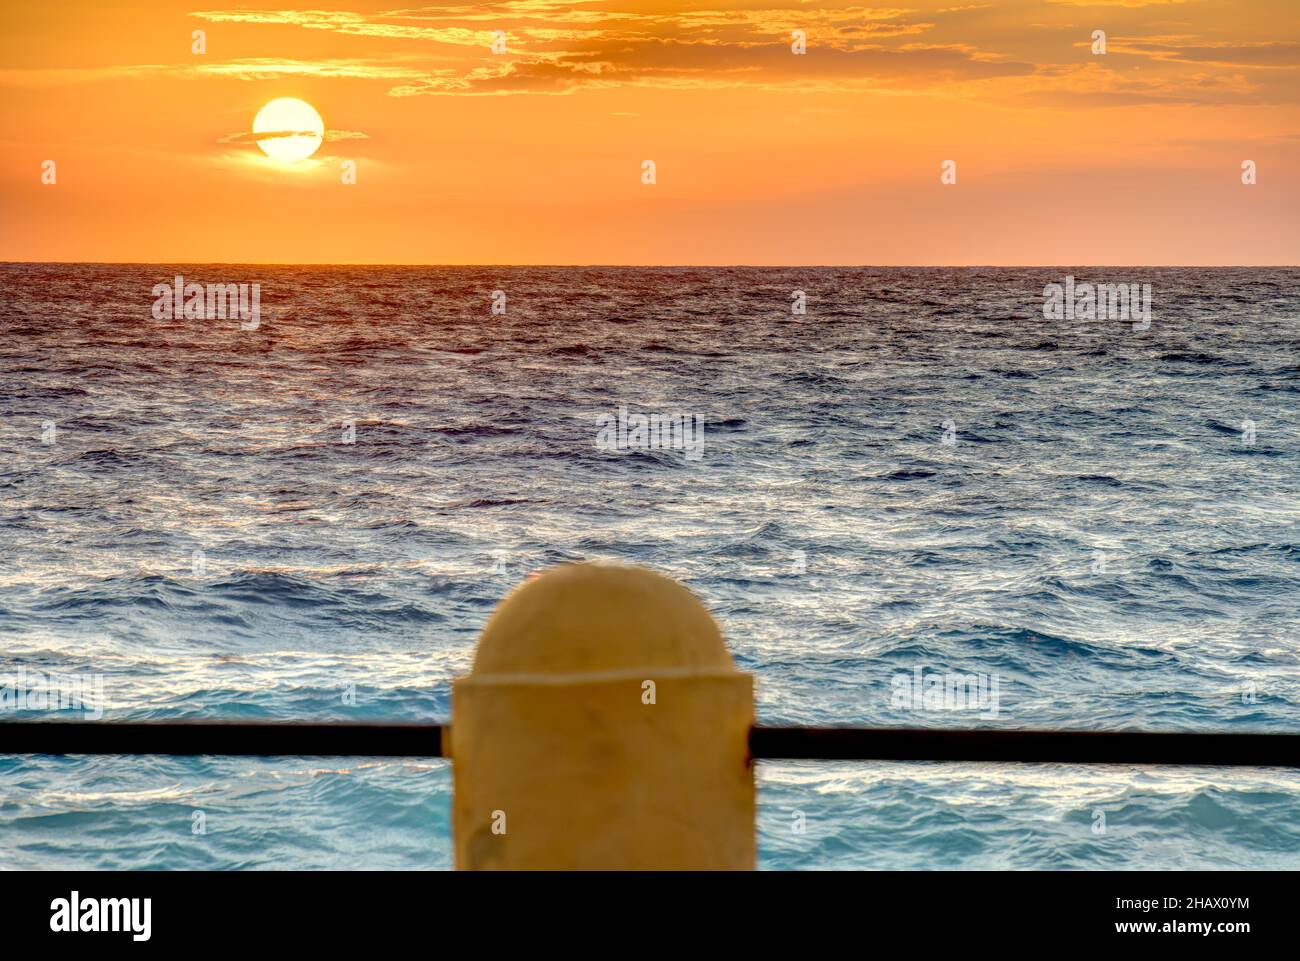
(603,726)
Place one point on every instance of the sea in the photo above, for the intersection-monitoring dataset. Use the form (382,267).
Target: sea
(874,476)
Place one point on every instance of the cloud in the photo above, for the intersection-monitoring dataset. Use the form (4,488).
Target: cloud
(266,68)
(1130,4)
(260,68)
(1266,53)
(534,27)
(559,48)
(1090,85)
(382,25)
(331,136)
(676,63)
(975,51)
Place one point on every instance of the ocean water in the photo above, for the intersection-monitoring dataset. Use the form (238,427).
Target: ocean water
(920,472)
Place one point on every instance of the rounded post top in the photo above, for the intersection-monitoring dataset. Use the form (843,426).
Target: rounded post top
(594,618)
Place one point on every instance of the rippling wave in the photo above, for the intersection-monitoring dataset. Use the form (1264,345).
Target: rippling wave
(1100,535)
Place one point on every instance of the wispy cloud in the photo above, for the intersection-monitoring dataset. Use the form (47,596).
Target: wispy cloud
(1264,53)
(976,50)
(331,136)
(561,48)
(257,68)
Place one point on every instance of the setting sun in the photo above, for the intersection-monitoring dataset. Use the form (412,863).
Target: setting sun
(296,128)
(427,129)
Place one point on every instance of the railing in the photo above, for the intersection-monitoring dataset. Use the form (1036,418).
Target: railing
(275,739)
(646,739)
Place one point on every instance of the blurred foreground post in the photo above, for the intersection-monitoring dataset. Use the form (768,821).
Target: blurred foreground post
(603,726)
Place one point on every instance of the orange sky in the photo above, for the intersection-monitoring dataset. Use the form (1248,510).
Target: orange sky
(763,157)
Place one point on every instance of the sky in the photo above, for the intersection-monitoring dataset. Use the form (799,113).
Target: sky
(536,155)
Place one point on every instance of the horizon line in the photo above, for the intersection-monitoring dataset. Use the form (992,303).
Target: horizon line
(637,266)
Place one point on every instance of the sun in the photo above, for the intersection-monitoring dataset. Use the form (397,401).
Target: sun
(298,128)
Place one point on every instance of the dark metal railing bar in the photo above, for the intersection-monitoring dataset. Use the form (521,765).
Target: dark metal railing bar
(286,739)
(1057,747)
(240,738)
